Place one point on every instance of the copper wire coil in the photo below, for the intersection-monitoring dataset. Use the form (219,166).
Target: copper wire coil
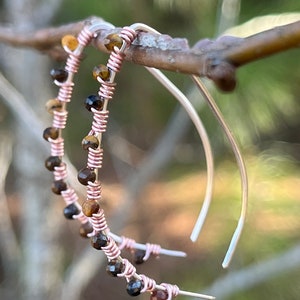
(60,172)
(65,93)
(99,121)
(72,63)
(60,119)
(95,158)
(94,190)
(69,196)
(57,147)
(85,36)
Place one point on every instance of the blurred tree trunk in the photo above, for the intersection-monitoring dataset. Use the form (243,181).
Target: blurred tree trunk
(27,71)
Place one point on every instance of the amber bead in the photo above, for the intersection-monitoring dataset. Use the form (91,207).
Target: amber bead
(114,267)
(71,210)
(113,40)
(58,186)
(90,207)
(134,287)
(94,101)
(138,256)
(51,162)
(53,105)
(101,71)
(85,175)
(85,229)
(60,75)
(50,132)
(99,240)
(70,42)
(90,141)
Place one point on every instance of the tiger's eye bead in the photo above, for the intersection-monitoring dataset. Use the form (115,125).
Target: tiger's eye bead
(60,75)
(51,162)
(90,207)
(85,175)
(94,101)
(85,229)
(99,240)
(58,186)
(70,42)
(50,132)
(138,256)
(90,141)
(71,210)
(101,71)
(53,105)
(114,267)
(113,40)
(134,287)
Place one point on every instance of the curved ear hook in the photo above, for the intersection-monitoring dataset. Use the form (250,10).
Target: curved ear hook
(201,131)
(241,165)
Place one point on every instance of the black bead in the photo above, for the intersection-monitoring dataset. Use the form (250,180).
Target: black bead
(134,287)
(138,256)
(99,240)
(85,175)
(51,162)
(58,186)
(60,75)
(71,210)
(114,267)
(94,101)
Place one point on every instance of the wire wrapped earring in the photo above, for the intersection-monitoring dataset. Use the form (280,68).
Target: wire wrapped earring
(89,213)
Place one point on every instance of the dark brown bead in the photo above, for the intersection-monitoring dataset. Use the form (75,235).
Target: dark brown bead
(94,101)
(58,186)
(138,256)
(90,141)
(114,267)
(50,132)
(51,162)
(85,175)
(158,295)
(85,229)
(71,210)
(99,240)
(101,71)
(53,105)
(134,287)
(113,40)
(60,75)
(90,207)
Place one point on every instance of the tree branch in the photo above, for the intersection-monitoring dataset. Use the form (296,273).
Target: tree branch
(215,59)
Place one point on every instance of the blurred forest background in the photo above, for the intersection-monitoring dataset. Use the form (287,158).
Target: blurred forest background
(154,172)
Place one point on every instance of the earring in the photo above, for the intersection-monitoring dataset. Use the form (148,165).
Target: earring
(90,214)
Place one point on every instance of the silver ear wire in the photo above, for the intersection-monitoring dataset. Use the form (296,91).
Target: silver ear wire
(201,131)
(242,169)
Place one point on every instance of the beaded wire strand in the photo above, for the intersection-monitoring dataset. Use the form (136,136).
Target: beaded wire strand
(94,219)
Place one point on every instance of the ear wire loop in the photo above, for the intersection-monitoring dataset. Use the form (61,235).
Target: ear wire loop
(242,169)
(201,131)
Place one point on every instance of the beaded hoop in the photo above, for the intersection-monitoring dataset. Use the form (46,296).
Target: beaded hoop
(90,214)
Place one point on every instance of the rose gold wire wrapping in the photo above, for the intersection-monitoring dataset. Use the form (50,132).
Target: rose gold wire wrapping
(151,249)
(128,35)
(81,217)
(171,290)
(60,119)
(57,147)
(73,63)
(98,222)
(111,250)
(106,89)
(85,36)
(115,60)
(129,269)
(149,284)
(65,92)
(99,120)
(94,190)
(95,158)
(60,172)
(69,196)
(126,243)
